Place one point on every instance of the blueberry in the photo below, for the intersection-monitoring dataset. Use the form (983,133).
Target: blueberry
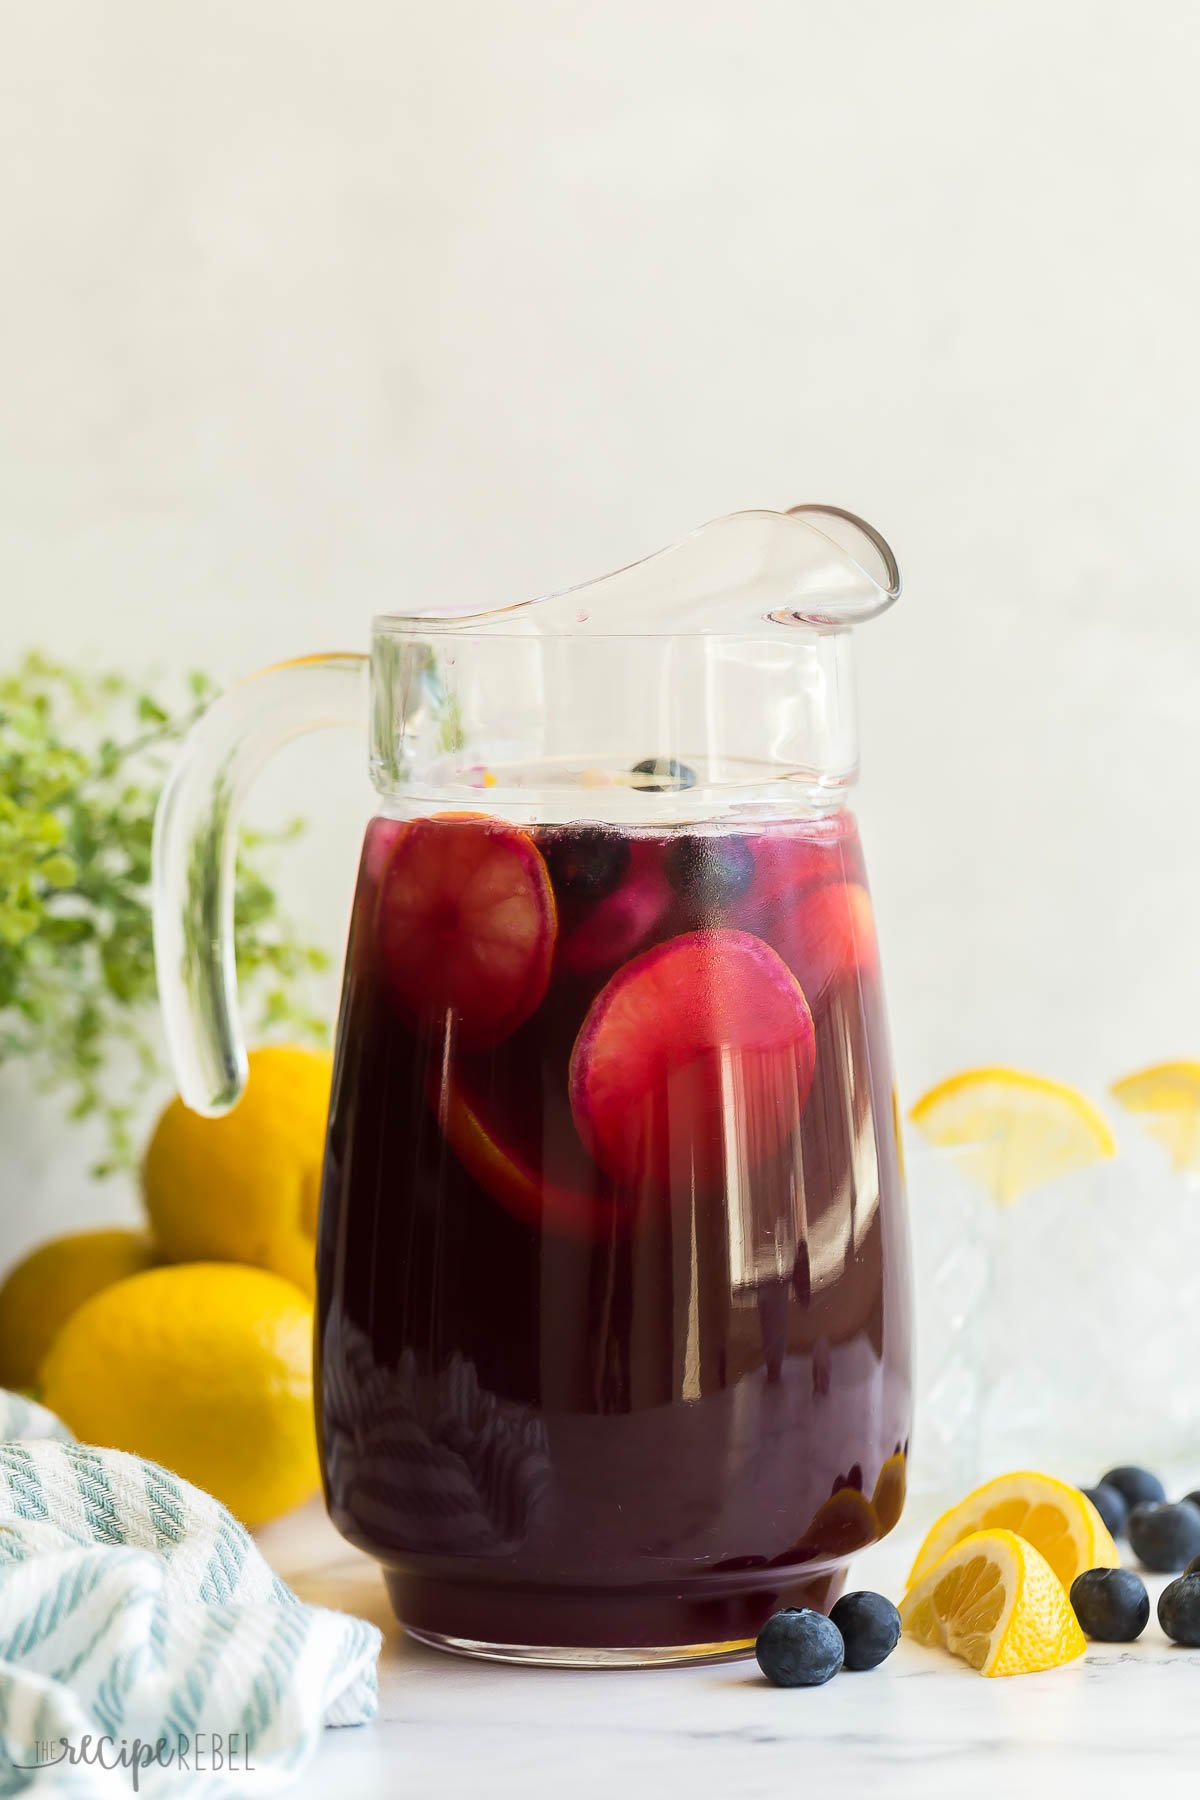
(799,1648)
(1112,1605)
(664,774)
(711,870)
(1136,1486)
(1112,1506)
(1194,1496)
(1165,1537)
(1179,1610)
(588,862)
(870,1628)
(1192,1568)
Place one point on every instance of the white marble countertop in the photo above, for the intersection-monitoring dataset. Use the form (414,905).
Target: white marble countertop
(922,1725)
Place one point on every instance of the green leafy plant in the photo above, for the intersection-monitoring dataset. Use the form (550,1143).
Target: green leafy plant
(82,759)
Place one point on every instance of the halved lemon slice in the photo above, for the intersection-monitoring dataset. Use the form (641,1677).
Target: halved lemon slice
(1015,1130)
(994,1601)
(1059,1521)
(1167,1098)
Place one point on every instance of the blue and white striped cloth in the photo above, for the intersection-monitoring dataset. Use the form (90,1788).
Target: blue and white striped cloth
(134,1609)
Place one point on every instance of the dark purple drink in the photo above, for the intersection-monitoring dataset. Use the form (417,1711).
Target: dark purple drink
(612,1270)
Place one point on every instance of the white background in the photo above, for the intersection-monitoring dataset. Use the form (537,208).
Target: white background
(313,309)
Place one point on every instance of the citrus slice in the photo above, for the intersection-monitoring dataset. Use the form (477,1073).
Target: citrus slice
(580,1209)
(1059,1521)
(695,1057)
(890,1490)
(994,1601)
(467,925)
(1167,1098)
(843,1525)
(828,935)
(1017,1130)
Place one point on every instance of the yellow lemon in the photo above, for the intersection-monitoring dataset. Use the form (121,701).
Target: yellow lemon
(203,1367)
(47,1286)
(1167,1097)
(1059,1521)
(1015,1130)
(994,1601)
(245,1188)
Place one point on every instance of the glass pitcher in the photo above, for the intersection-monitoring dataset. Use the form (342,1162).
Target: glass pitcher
(612,1269)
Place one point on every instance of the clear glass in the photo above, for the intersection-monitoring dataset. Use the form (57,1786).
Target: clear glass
(194,851)
(1093,1329)
(953,1239)
(613,1288)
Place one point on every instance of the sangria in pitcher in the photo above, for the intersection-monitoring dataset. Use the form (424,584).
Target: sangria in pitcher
(612,1271)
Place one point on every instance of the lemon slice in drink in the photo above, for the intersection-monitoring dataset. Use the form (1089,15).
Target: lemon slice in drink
(1167,1099)
(994,1601)
(1059,1521)
(1015,1130)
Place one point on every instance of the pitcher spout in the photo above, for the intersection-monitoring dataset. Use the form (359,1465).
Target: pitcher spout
(869,582)
(738,576)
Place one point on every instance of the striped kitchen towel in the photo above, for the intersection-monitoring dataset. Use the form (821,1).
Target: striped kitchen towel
(139,1623)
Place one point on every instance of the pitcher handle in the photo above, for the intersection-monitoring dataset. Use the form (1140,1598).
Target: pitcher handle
(195,857)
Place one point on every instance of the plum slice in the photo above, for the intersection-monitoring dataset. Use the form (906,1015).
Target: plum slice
(466,926)
(694,1063)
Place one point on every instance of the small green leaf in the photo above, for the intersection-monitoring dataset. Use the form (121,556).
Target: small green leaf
(82,758)
(59,871)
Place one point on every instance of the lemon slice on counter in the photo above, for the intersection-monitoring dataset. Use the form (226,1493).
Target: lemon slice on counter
(1059,1521)
(1016,1130)
(994,1601)
(1167,1099)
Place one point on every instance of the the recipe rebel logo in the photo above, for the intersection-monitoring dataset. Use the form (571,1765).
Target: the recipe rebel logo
(205,1753)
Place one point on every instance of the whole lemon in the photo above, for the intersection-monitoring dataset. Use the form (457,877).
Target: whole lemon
(244,1188)
(42,1291)
(203,1367)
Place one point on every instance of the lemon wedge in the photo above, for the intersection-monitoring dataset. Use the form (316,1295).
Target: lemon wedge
(1167,1097)
(1015,1130)
(1059,1521)
(994,1601)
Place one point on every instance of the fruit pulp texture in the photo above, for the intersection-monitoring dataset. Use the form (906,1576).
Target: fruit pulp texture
(613,1302)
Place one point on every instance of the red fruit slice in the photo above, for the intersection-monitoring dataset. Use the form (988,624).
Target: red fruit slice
(377,848)
(611,931)
(378,844)
(512,1180)
(694,1062)
(466,926)
(828,936)
(788,861)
